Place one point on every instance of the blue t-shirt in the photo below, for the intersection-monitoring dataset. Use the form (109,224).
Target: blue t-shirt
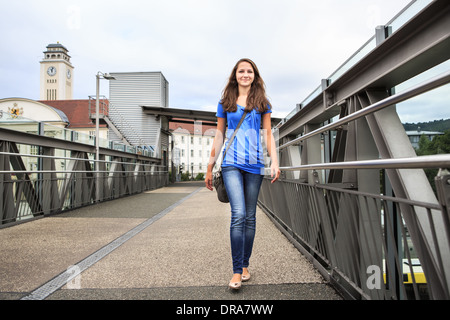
(246,150)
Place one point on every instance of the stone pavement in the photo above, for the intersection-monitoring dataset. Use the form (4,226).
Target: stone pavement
(166,244)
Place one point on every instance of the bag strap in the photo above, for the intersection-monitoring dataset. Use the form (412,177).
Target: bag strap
(234,133)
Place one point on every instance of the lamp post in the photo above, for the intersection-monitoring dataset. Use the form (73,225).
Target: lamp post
(98,76)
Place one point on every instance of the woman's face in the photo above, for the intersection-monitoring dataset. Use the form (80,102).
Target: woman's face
(245,74)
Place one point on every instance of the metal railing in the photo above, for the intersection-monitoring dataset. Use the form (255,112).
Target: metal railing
(40,175)
(32,193)
(367,244)
(359,241)
(353,196)
(28,194)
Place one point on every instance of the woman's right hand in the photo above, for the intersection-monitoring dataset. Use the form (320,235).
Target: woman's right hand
(215,150)
(209,180)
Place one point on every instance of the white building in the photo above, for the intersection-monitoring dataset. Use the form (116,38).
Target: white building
(192,143)
(19,110)
(414,136)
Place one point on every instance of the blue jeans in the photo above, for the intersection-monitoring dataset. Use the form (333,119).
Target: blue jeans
(243,189)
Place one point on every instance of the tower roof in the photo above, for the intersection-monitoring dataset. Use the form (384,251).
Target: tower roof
(56,48)
(56,45)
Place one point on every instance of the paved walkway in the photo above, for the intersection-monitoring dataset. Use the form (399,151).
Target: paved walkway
(166,244)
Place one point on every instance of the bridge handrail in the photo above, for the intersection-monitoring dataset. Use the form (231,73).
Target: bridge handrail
(72,158)
(48,182)
(419,162)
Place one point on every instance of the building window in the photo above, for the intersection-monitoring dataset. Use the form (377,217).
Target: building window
(34,150)
(192,153)
(51,94)
(192,140)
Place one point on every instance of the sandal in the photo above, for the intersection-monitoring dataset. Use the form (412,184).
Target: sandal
(235,285)
(246,277)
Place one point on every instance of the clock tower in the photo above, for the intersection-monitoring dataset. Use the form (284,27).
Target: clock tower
(56,74)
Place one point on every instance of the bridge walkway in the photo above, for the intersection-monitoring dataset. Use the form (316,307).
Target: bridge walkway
(166,244)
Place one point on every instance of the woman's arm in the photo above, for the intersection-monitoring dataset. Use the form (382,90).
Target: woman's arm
(271,148)
(215,151)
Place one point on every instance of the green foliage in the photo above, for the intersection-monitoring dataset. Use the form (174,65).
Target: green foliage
(200,176)
(436,125)
(185,176)
(440,144)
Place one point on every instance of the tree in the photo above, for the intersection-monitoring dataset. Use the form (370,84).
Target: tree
(439,144)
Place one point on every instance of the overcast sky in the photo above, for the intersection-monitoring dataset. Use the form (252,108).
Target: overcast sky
(194,43)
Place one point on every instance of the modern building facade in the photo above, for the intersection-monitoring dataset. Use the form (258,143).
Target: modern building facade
(128,93)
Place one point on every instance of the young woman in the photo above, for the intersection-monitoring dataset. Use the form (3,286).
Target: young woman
(243,165)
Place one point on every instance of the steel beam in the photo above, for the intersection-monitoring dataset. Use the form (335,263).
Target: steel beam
(38,140)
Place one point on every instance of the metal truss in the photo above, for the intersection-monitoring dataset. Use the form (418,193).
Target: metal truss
(60,182)
(334,171)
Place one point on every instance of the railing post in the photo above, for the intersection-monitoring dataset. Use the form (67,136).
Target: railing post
(50,199)
(442,181)
(6,188)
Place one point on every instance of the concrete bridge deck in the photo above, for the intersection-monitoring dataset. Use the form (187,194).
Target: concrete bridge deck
(167,244)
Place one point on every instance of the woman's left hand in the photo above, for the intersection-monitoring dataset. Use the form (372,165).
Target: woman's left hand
(274,172)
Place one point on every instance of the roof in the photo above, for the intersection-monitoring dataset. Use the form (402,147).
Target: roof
(207,130)
(63,117)
(61,114)
(419,133)
(56,45)
(180,113)
(197,115)
(77,112)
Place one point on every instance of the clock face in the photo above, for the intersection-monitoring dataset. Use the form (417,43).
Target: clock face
(51,71)
(68,74)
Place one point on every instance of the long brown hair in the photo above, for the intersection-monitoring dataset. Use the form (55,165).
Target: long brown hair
(256,99)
